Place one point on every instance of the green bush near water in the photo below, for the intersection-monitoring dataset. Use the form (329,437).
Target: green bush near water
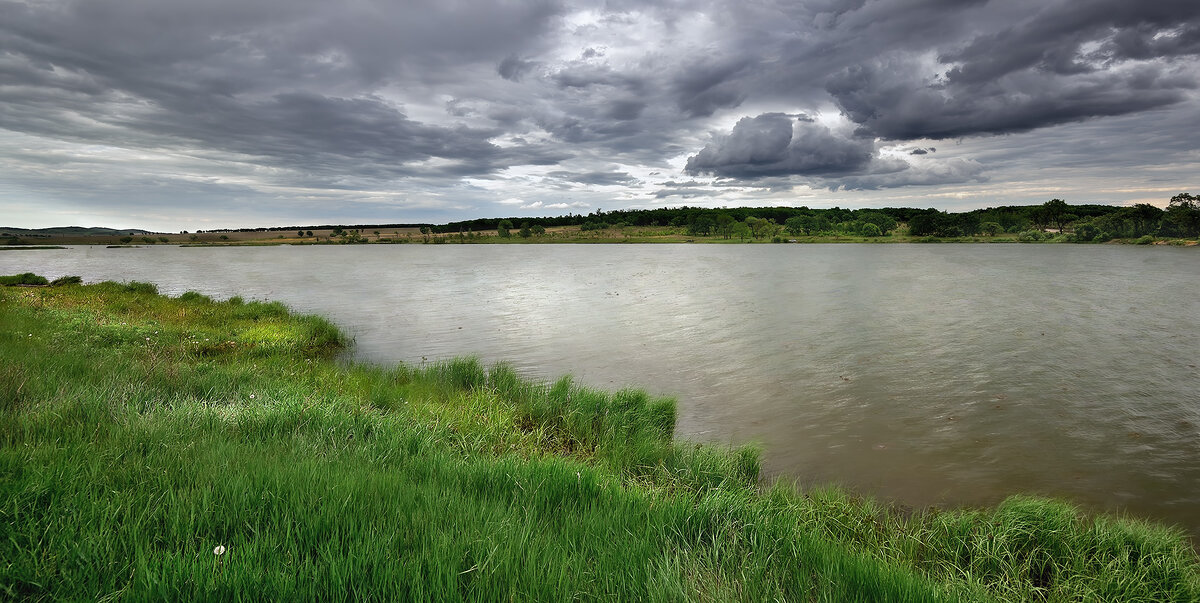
(27,278)
(174,426)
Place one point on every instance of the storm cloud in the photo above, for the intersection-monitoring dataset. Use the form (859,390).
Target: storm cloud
(252,112)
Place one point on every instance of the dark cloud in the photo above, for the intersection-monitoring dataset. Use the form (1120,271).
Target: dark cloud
(774,144)
(513,68)
(372,99)
(702,87)
(1036,73)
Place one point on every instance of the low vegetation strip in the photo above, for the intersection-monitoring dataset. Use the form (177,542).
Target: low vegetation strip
(190,449)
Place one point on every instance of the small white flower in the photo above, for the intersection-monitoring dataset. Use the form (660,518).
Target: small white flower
(251,396)
(220,550)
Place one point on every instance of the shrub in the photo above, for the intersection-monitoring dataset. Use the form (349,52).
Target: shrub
(1145,240)
(1029,236)
(66,280)
(143,288)
(27,278)
(193,297)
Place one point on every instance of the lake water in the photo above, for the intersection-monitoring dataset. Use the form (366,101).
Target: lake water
(923,374)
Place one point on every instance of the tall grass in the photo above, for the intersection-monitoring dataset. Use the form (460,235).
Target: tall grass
(140,432)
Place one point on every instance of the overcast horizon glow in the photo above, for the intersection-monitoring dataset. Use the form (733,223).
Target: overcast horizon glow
(171,115)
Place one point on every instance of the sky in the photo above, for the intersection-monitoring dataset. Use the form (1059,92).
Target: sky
(182,115)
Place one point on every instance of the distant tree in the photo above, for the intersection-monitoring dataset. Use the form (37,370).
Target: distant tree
(969,223)
(224,237)
(539,230)
(797,225)
(308,233)
(923,224)
(1086,231)
(1055,211)
(149,240)
(525,231)
(194,238)
(702,225)
(871,230)
(761,227)
(1182,217)
(300,233)
(127,240)
(503,228)
(741,230)
(885,222)
(1143,219)
(990,228)
(724,225)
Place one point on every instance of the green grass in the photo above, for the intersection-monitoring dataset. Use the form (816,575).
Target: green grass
(139,432)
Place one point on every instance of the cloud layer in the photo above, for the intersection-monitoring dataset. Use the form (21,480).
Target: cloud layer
(179,115)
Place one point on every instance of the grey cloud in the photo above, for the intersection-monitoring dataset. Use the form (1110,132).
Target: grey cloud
(898,173)
(705,86)
(774,144)
(596,178)
(888,99)
(513,68)
(625,109)
(417,96)
(1036,72)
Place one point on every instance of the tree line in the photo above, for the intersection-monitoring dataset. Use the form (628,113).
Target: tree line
(1086,222)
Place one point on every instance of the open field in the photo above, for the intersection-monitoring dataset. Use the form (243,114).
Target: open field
(142,435)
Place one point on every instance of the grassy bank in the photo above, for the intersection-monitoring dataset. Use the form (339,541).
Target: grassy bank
(139,433)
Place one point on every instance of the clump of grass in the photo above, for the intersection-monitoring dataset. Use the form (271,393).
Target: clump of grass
(27,278)
(138,433)
(66,280)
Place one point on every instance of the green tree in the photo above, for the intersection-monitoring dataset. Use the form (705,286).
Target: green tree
(990,228)
(126,240)
(797,225)
(741,230)
(539,230)
(871,230)
(724,225)
(885,222)
(702,226)
(760,227)
(923,224)
(308,233)
(1182,217)
(503,228)
(1055,211)
(525,231)
(300,233)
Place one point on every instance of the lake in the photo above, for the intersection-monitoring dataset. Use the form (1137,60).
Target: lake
(921,374)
